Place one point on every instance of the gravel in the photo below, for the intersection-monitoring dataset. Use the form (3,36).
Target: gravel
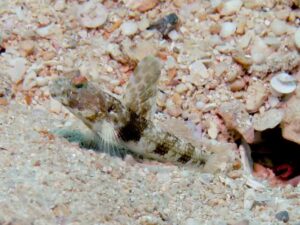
(213,60)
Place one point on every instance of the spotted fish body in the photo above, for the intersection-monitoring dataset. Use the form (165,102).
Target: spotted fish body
(128,122)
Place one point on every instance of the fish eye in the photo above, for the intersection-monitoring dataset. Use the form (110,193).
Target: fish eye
(111,108)
(79,81)
(78,86)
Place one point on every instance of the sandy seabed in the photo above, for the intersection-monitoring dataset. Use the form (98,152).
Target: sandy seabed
(46,180)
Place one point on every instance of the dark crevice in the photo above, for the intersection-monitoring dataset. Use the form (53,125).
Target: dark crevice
(2,50)
(277,153)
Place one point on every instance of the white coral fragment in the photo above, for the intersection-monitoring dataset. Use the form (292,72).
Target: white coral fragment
(283,83)
(92,14)
(18,69)
(231,7)
(297,38)
(268,119)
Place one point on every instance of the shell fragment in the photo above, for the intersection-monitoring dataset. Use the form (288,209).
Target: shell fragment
(283,83)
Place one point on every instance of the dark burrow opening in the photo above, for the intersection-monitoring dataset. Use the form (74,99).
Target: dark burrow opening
(277,153)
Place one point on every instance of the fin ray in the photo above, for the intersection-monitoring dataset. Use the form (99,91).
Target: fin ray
(141,91)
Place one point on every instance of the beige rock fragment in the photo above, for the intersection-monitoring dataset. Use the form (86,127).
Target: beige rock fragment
(256,94)
(143,24)
(242,59)
(141,5)
(179,3)
(140,50)
(60,5)
(277,61)
(27,47)
(268,119)
(61,210)
(244,41)
(241,26)
(18,69)
(55,106)
(115,52)
(197,68)
(129,28)
(213,129)
(279,27)
(221,160)
(297,38)
(237,85)
(237,118)
(259,51)
(174,35)
(227,29)
(230,7)
(181,88)
(92,14)
(47,30)
(291,122)
(173,109)
(253,4)
(48,55)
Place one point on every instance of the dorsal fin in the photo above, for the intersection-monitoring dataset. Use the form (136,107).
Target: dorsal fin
(141,91)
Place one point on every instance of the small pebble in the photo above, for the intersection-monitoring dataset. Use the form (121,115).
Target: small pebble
(259,51)
(200,105)
(206,178)
(173,35)
(163,177)
(27,47)
(172,109)
(55,106)
(48,55)
(30,80)
(256,95)
(283,83)
(92,14)
(199,69)
(129,28)
(213,130)
(282,216)
(143,24)
(141,5)
(18,71)
(237,85)
(278,27)
(3,101)
(231,7)
(234,174)
(60,5)
(273,101)
(268,119)
(42,81)
(227,29)
(181,88)
(46,30)
(215,3)
(149,220)
(297,38)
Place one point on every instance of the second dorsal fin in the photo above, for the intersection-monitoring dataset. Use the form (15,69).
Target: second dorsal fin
(141,91)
